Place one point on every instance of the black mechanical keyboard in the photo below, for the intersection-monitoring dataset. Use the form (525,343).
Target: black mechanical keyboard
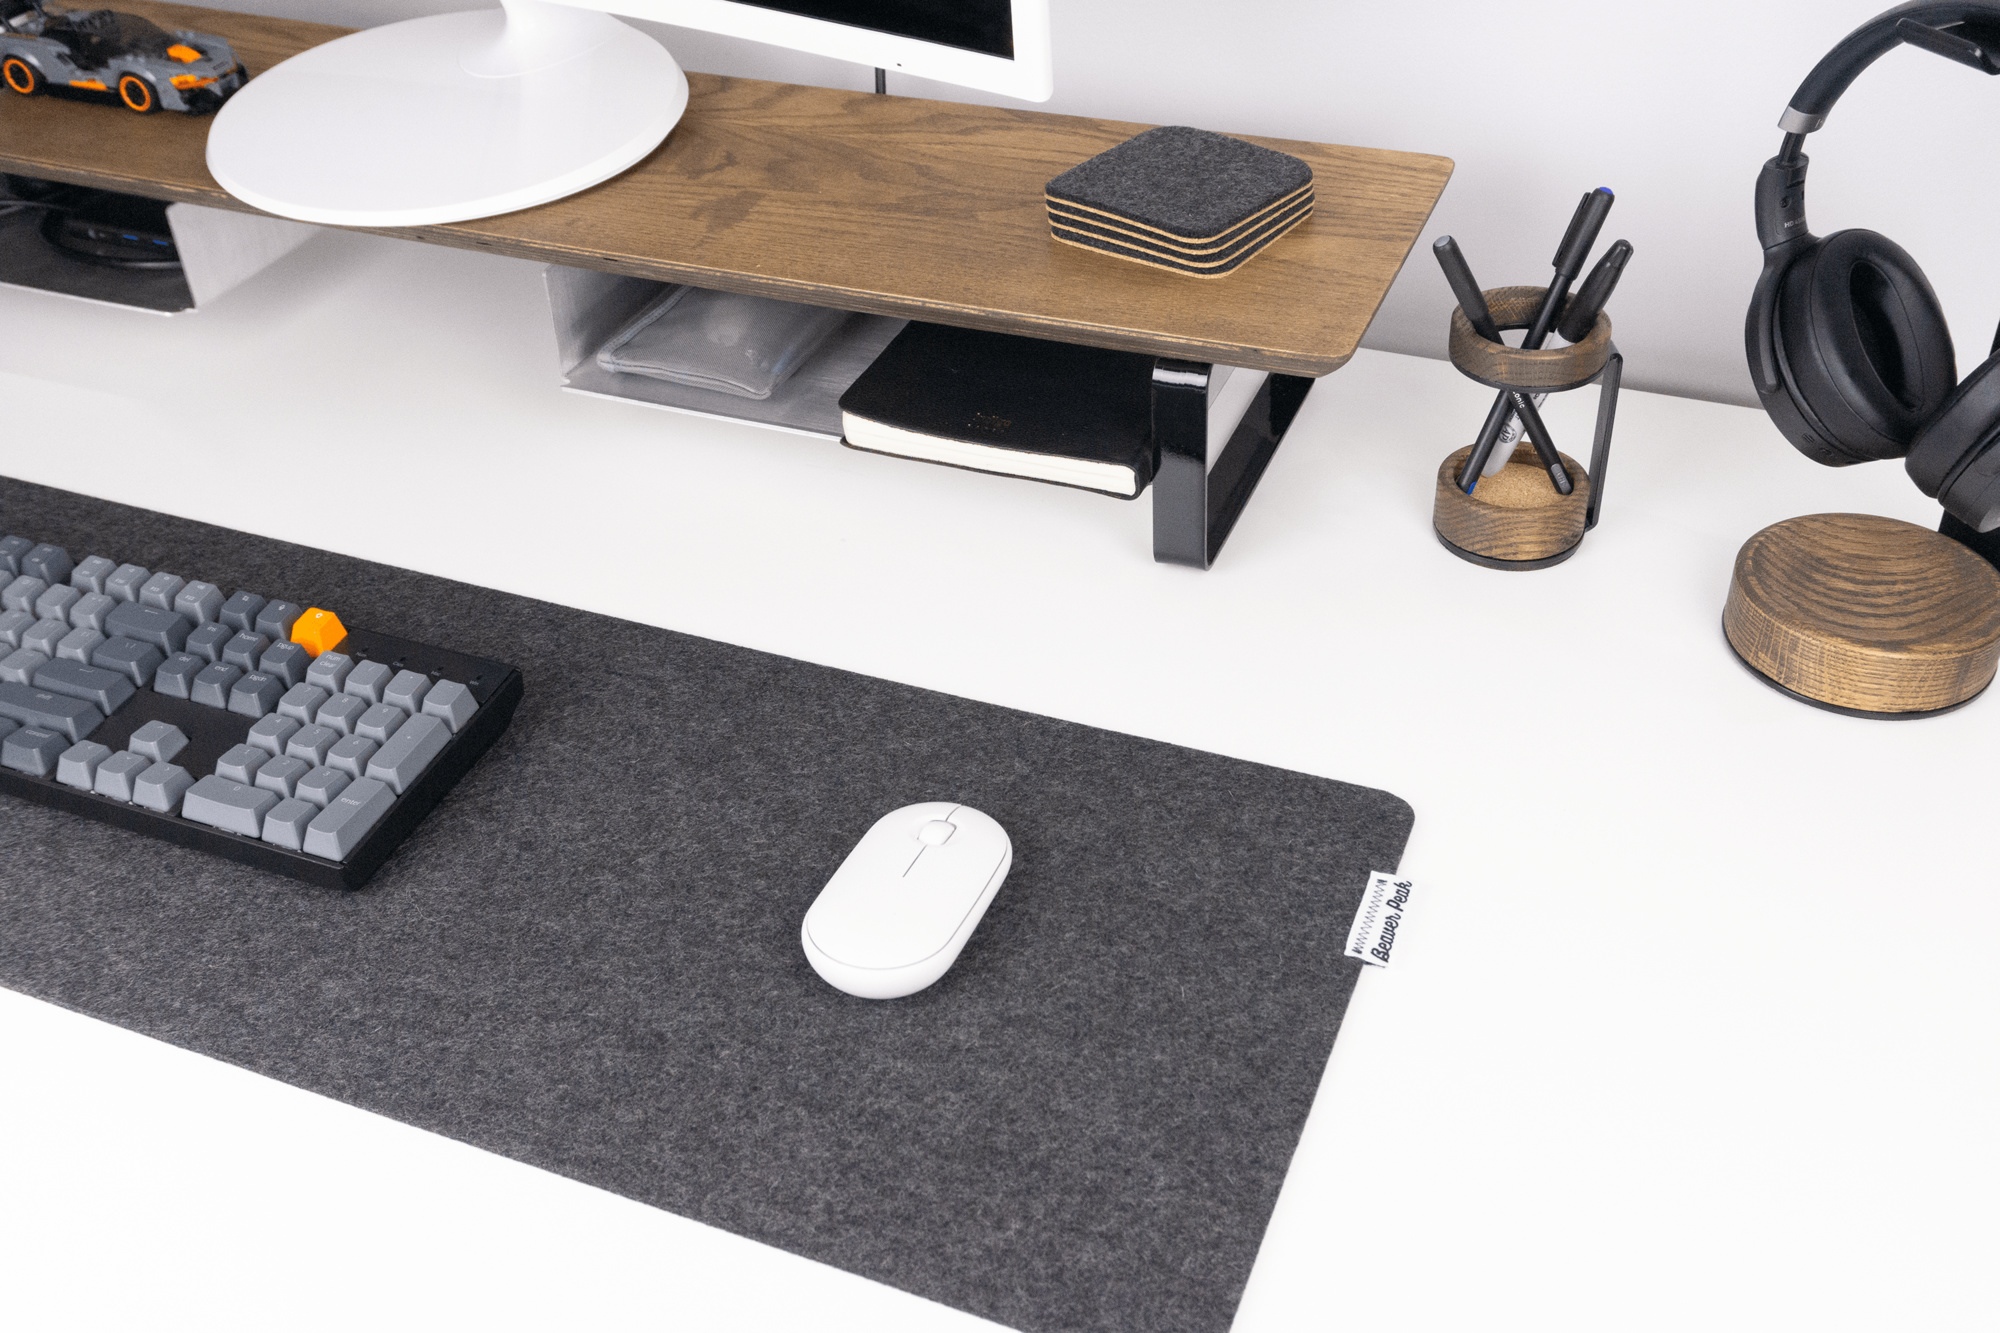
(251,727)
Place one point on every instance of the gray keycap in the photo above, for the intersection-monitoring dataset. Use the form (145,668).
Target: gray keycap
(199,602)
(33,751)
(48,563)
(148,624)
(451,703)
(302,702)
(287,661)
(240,611)
(91,572)
(380,722)
(56,602)
(21,592)
(368,680)
(160,590)
(8,726)
(174,677)
(239,763)
(274,619)
(312,743)
(323,784)
(350,755)
(11,551)
(135,661)
(233,807)
(337,830)
(90,611)
(77,766)
(341,712)
(79,645)
(13,624)
(107,690)
(282,774)
(207,642)
(244,649)
(59,713)
(406,690)
(44,635)
(116,775)
(19,667)
(161,788)
(213,683)
(329,671)
(286,825)
(409,752)
(271,733)
(256,694)
(158,741)
(125,582)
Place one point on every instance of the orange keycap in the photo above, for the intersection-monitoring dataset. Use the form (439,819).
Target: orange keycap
(318,631)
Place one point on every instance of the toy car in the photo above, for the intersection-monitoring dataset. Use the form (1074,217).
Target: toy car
(104,51)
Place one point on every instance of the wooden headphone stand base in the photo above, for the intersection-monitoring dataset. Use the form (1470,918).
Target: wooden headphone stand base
(1865,615)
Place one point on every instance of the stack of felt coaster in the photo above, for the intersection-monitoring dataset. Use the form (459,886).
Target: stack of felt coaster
(1181,199)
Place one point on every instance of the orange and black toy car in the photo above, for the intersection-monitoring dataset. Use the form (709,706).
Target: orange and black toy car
(118,55)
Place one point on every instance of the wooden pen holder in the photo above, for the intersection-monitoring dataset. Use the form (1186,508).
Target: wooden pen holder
(1516,519)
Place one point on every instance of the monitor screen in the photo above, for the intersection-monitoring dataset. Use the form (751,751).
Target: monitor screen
(985,26)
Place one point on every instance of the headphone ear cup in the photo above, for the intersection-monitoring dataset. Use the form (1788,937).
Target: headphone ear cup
(1956,458)
(1866,343)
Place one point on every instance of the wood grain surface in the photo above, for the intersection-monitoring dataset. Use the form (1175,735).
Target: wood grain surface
(1516,514)
(1549,369)
(893,205)
(1866,613)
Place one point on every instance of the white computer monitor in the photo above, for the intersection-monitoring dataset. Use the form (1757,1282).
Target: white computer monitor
(1001,46)
(463,116)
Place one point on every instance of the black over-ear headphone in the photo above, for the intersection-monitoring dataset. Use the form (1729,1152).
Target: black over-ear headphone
(1847,342)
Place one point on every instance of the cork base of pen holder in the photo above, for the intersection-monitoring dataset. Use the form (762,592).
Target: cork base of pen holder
(1865,615)
(1513,519)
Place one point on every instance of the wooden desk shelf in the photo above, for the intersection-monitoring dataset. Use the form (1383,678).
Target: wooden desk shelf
(889,205)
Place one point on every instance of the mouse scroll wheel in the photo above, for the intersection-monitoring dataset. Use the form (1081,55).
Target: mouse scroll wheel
(936,833)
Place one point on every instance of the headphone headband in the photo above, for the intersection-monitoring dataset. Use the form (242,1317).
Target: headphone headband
(1921,23)
(1967,31)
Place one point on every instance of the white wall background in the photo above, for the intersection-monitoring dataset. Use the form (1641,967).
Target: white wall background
(1673,106)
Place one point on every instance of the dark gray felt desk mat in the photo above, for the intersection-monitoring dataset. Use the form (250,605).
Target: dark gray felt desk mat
(588,957)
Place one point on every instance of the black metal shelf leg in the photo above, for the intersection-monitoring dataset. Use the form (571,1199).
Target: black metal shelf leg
(1195,506)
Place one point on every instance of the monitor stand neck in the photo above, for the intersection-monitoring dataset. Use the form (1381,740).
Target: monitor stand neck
(537,36)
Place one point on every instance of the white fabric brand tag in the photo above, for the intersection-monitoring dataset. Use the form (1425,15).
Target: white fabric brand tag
(1373,933)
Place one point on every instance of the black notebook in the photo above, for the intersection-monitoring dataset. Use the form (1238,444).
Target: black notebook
(994,402)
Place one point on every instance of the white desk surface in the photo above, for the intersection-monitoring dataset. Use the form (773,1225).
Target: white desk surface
(1694,1023)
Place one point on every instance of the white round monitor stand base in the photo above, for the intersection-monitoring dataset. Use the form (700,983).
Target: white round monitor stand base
(449,118)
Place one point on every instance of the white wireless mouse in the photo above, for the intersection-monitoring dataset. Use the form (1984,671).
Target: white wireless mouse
(894,916)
